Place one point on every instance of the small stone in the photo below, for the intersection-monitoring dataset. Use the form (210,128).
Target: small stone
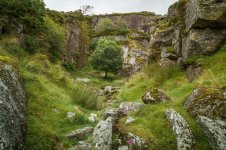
(85,80)
(92,117)
(70,115)
(129,120)
(224,95)
(155,96)
(124,147)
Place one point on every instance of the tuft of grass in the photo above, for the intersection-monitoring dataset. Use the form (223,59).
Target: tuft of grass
(86,97)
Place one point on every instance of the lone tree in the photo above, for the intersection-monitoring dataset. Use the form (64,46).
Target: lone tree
(107,57)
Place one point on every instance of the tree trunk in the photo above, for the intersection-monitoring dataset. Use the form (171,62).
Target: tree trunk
(106,74)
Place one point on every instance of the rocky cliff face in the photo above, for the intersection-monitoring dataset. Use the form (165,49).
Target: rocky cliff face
(139,21)
(13,109)
(200,30)
(77,42)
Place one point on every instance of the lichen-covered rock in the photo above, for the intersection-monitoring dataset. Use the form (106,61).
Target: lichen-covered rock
(80,133)
(102,134)
(135,142)
(77,42)
(92,117)
(202,42)
(134,59)
(185,138)
(123,110)
(164,62)
(216,132)
(163,38)
(130,106)
(206,14)
(138,21)
(207,102)
(13,109)
(108,91)
(193,71)
(82,146)
(155,96)
(169,55)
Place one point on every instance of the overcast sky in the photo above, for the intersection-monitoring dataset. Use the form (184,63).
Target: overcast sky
(112,6)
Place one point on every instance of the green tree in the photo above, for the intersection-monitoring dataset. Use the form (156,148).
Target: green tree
(30,13)
(107,57)
(122,28)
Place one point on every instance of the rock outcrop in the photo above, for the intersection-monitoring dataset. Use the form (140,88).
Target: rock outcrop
(206,14)
(185,138)
(77,42)
(208,106)
(207,102)
(155,96)
(203,42)
(13,109)
(134,60)
(102,134)
(139,21)
(216,132)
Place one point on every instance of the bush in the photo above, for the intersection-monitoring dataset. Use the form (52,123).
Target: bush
(31,44)
(86,97)
(55,38)
(107,57)
(105,25)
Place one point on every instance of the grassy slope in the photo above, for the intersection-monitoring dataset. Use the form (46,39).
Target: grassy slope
(151,122)
(51,95)
(50,90)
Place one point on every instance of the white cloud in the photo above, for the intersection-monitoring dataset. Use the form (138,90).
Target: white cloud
(110,6)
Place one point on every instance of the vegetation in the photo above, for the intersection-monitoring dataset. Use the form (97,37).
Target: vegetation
(28,13)
(53,91)
(108,27)
(107,57)
(86,97)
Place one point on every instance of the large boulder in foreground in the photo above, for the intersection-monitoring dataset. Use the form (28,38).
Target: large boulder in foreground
(155,96)
(12,109)
(216,132)
(185,138)
(206,14)
(102,134)
(209,102)
(203,42)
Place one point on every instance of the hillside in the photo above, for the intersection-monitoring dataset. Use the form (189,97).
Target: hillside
(161,84)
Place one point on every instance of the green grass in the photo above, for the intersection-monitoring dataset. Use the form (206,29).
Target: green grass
(52,92)
(151,122)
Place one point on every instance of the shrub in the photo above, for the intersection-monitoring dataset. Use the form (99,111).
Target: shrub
(105,25)
(31,43)
(86,97)
(55,38)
